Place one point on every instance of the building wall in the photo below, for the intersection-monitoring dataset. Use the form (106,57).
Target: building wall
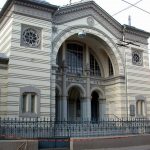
(138,81)
(6,32)
(5,45)
(3,89)
(29,66)
(33,66)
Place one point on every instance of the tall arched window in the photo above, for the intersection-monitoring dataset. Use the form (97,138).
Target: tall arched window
(74,56)
(94,67)
(111,71)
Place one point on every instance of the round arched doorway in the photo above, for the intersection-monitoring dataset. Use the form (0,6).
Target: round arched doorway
(74,103)
(57,105)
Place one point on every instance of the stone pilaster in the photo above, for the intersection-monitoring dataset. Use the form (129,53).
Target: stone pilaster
(64,93)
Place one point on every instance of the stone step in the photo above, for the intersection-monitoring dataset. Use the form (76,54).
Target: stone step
(55,149)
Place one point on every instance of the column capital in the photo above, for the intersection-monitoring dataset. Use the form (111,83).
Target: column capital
(101,100)
(86,98)
(87,69)
(64,66)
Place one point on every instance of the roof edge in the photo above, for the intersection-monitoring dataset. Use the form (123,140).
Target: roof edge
(132,29)
(10,2)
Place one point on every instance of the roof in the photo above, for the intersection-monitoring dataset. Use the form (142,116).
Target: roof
(41,3)
(134,29)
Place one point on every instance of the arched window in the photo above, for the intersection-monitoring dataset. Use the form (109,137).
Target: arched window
(111,72)
(74,56)
(94,67)
(29,102)
(140,108)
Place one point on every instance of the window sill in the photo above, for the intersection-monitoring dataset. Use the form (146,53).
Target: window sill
(28,115)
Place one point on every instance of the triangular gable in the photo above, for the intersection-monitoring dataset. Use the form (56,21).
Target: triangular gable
(90,8)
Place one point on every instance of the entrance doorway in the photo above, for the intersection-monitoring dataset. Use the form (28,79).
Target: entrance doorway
(74,104)
(57,105)
(94,106)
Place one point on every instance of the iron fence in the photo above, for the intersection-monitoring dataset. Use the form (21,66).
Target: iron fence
(44,128)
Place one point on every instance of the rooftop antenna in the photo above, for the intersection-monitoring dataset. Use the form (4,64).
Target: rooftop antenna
(70,2)
(129,20)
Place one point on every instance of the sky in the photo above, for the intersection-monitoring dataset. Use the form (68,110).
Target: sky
(140,17)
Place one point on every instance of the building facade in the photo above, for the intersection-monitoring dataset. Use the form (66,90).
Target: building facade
(74,62)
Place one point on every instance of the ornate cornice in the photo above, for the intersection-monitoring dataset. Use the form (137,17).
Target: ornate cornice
(36,6)
(136,31)
(69,13)
(89,5)
(29,3)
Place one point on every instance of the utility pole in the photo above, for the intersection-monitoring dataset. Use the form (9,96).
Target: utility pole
(70,2)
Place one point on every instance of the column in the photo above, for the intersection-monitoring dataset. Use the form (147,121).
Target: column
(102,108)
(28,103)
(53,92)
(139,108)
(143,108)
(64,94)
(87,103)
(85,107)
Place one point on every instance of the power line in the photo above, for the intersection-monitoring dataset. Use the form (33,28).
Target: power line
(137,7)
(126,8)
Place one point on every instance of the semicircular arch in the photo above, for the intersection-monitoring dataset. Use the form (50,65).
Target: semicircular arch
(59,89)
(79,86)
(100,92)
(113,52)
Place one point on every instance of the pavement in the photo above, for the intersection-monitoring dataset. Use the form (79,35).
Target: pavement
(143,147)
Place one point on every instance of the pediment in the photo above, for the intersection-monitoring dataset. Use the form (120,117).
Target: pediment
(90,8)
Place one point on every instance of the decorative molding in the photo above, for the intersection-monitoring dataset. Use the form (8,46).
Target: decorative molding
(50,8)
(30,36)
(90,21)
(112,50)
(91,9)
(88,5)
(137,57)
(140,97)
(82,89)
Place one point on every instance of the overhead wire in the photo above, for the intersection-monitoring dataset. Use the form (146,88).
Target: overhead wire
(115,39)
(126,8)
(137,7)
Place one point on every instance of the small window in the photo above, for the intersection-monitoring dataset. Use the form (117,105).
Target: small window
(29,102)
(140,108)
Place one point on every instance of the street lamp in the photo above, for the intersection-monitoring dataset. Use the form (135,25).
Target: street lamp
(82,34)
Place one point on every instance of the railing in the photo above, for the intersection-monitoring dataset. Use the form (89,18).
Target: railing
(37,128)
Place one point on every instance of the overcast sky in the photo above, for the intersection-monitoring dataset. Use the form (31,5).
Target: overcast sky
(139,19)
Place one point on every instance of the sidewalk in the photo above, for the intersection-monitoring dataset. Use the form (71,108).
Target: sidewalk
(144,147)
